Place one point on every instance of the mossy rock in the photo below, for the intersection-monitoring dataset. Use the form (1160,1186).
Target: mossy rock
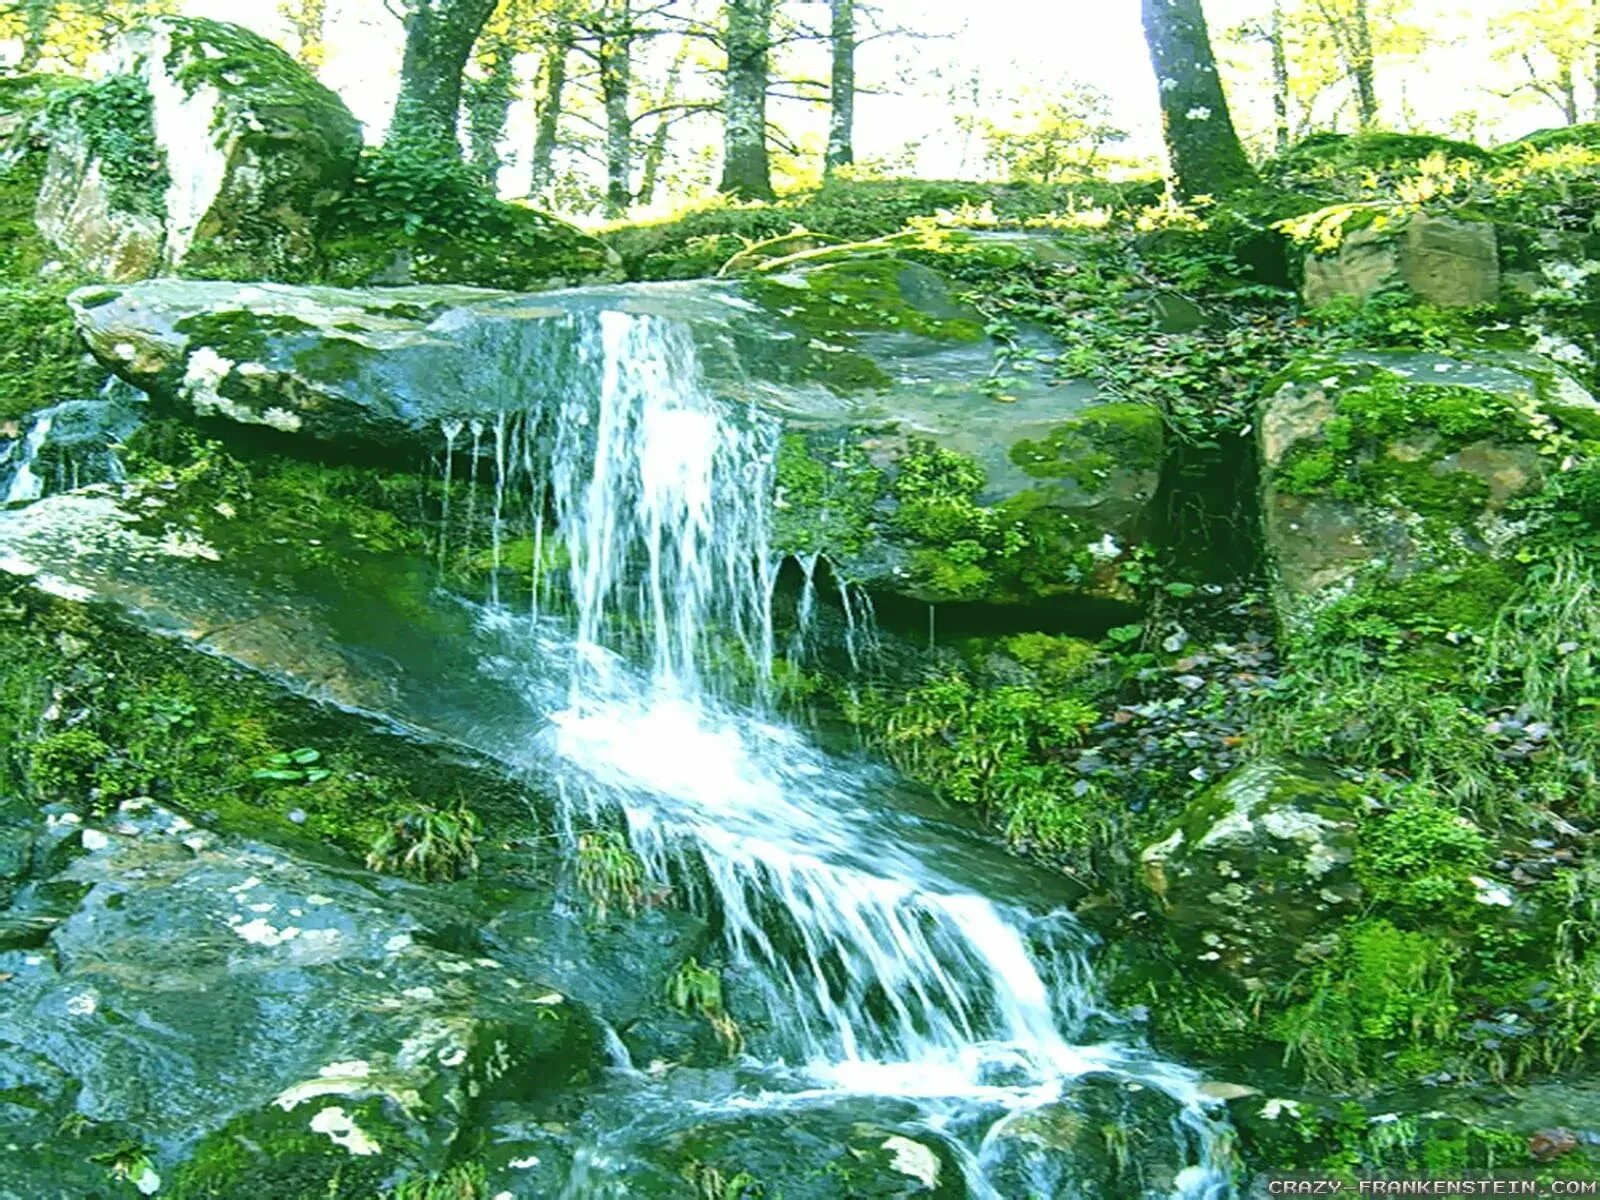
(1256,873)
(1404,462)
(130,191)
(1324,158)
(848,1151)
(1545,1131)
(1441,259)
(323,1036)
(1106,1137)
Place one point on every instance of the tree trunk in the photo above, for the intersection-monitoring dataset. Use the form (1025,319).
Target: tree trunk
(1280,79)
(656,153)
(616,86)
(1569,92)
(746,169)
(842,89)
(36,18)
(1594,60)
(1206,158)
(308,21)
(1362,67)
(439,38)
(549,108)
(488,103)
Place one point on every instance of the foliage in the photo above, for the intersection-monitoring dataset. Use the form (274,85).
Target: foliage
(610,875)
(1054,138)
(116,122)
(700,240)
(1000,749)
(693,988)
(1419,856)
(416,213)
(42,359)
(464,1181)
(965,550)
(1382,987)
(428,843)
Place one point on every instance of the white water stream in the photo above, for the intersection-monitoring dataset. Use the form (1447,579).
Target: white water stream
(889,967)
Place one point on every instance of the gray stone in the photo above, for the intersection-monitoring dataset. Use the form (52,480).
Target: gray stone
(861,383)
(1255,873)
(255,150)
(1442,260)
(1420,499)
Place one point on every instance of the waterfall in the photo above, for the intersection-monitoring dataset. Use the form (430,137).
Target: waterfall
(869,933)
(20,458)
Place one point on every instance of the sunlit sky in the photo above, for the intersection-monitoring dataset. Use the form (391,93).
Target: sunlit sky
(1009,45)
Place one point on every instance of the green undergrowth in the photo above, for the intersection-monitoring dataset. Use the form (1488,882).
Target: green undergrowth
(415,216)
(115,120)
(93,713)
(701,240)
(43,361)
(962,549)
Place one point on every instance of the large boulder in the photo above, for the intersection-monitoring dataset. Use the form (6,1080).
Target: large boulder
(208,150)
(1106,1137)
(229,1017)
(1254,877)
(1442,260)
(1404,467)
(896,460)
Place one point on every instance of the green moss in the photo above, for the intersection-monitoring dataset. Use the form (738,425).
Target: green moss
(286,98)
(116,121)
(1022,549)
(1089,447)
(1420,855)
(200,734)
(239,335)
(1357,457)
(413,216)
(42,358)
(824,507)
(834,303)
(1385,989)
(997,748)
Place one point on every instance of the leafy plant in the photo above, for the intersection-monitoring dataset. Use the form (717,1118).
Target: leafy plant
(693,988)
(294,766)
(610,874)
(464,1181)
(429,844)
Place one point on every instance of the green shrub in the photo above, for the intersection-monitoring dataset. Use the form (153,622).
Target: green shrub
(430,218)
(429,844)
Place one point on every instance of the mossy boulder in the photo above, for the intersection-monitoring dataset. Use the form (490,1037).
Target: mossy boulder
(1441,260)
(898,462)
(244,1015)
(1106,1137)
(1326,162)
(1546,1130)
(1404,464)
(210,151)
(1256,875)
(855,1149)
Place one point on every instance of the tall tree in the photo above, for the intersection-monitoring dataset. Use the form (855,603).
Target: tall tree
(488,92)
(1551,41)
(1349,24)
(668,111)
(440,35)
(1205,155)
(747,39)
(308,20)
(841,87)
(548,106)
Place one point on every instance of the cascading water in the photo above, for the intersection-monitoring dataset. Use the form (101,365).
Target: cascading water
(865,931)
